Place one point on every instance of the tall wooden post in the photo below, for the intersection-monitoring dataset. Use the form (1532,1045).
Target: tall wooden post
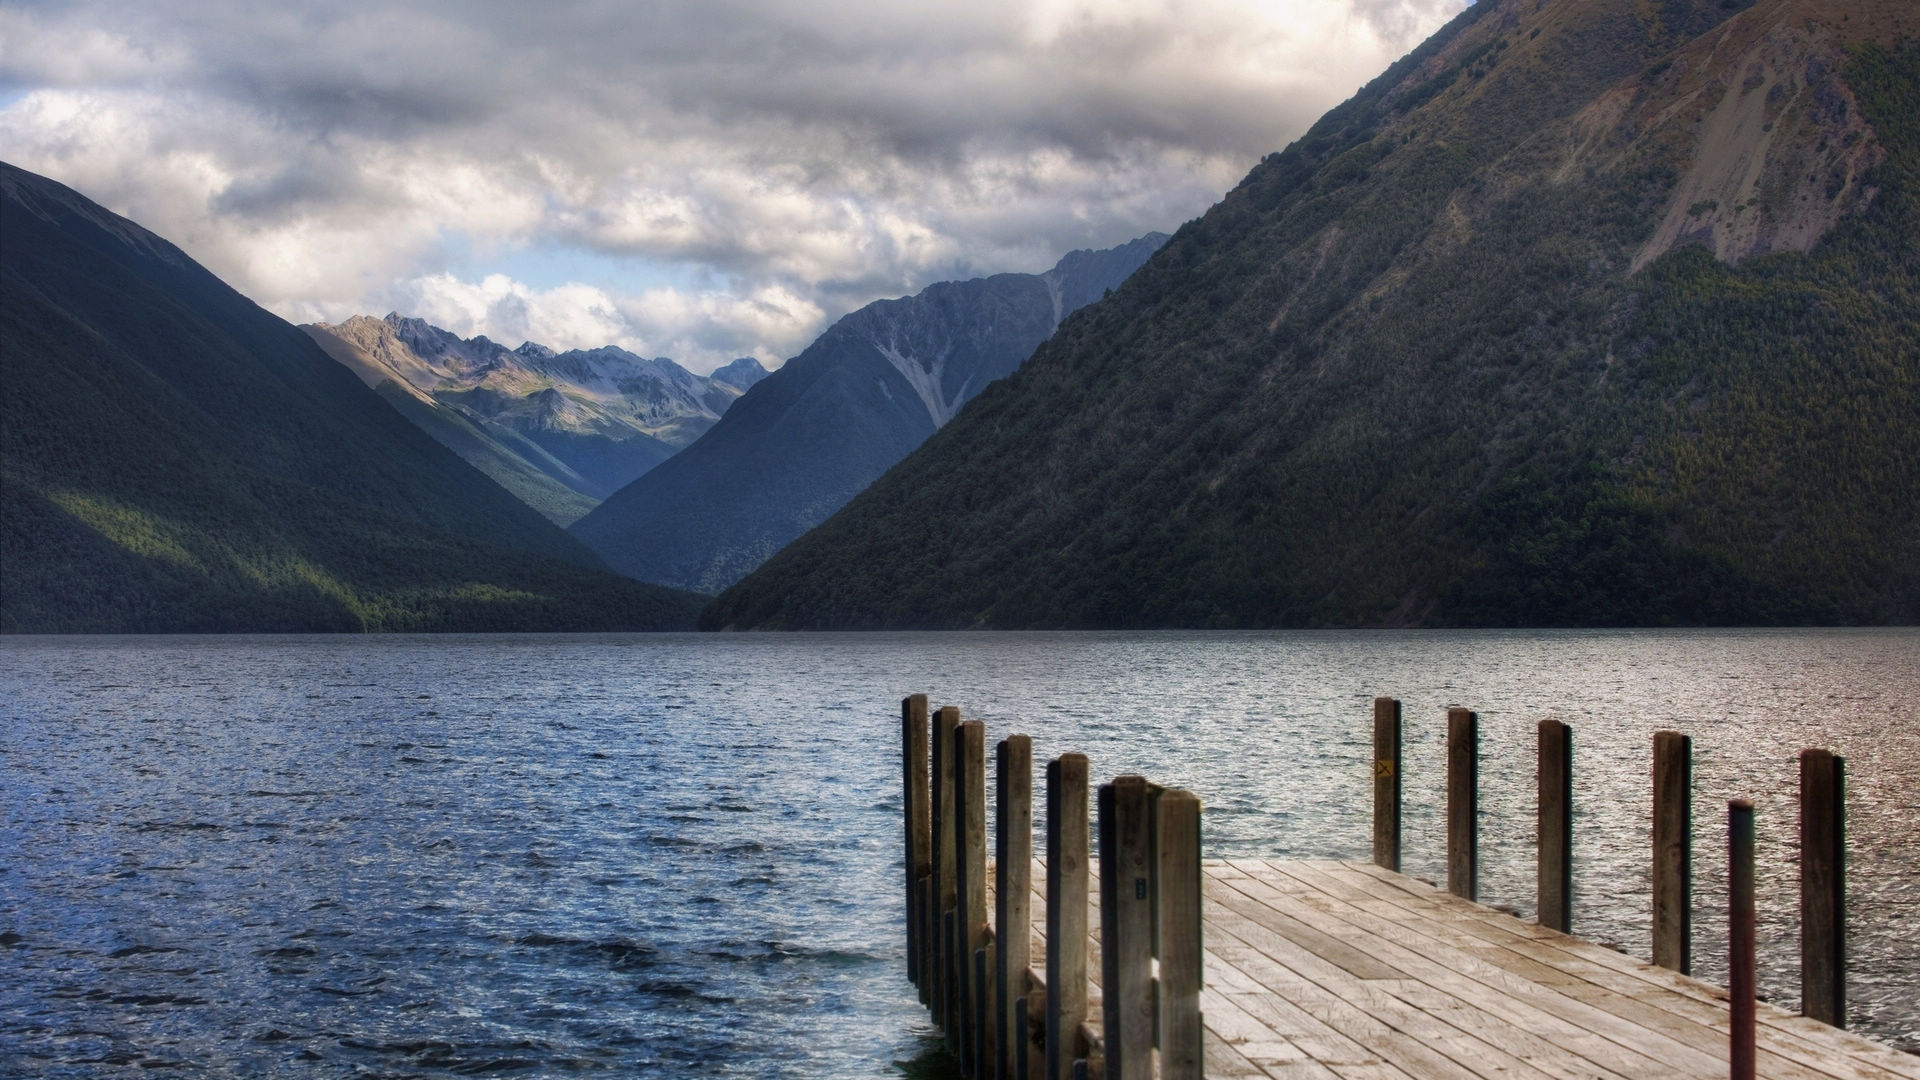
(944,891)
(1012,896)
(1178,851)
(1673,851)
(1555,895)
(915,796)
(970,845)
(1126,929)
(1386,783)
(1067,861)
(1823,897)
(1463,803)
(1741,982)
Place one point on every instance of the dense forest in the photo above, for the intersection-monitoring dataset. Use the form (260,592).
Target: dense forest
(1427,367)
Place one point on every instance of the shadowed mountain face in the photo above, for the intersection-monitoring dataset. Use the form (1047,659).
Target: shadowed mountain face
(815,432)
(1586,312)
(560,430)
(177,459)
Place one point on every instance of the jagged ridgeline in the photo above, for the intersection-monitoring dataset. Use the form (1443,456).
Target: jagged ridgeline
(1586,312)
(174,458)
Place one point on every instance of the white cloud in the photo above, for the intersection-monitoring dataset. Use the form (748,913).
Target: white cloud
(703,330)
(793,159)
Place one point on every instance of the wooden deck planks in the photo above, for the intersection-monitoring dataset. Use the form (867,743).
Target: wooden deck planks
(1345,971)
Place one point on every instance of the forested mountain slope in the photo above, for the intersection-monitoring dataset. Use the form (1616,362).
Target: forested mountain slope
(802,442)
(174,458)
(1586,312)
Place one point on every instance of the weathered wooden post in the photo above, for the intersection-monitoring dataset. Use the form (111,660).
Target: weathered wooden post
(1067,842)
(1823,895)
(1555,893)
(944,892)
(1742,984)
(1178,852)
(1386,783)
(1673,851)
(1126,929)
(919,852)
(1012,897)
(970,846)
(1463,803)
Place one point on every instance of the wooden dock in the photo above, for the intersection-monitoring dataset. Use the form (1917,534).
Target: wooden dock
(1326,969)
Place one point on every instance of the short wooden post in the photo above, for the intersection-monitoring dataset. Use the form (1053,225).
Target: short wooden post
(1741,981)
(1823,897)
(1386,783)
(1126,929)
(1067,859)
(970,845)
(1463,803)
(915,796)
(1673,851)
(1555,894)
(1012,895)
(944,892)
(1182,1054)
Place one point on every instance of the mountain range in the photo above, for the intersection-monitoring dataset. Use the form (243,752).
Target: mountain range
(829,421)
(1586,312)
(561,430)
(175,458)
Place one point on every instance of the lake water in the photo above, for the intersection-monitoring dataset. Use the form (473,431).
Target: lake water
(678,855)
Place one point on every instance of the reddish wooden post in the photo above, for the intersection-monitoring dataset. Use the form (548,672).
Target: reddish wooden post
(1673,851)
(1463,803)
(1823,894)
(1741,981)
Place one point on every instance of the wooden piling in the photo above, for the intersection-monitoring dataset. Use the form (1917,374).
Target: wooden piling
(1126,929)
(1012,896)
(1673,851)
(949,978)
(970,847)
(944,892)
(1823,901)
(1386,783)
(1463,803)
(919,827)
(980,1045)
(1555,890)
(1182,1055)
(1742,985)
(1067,858)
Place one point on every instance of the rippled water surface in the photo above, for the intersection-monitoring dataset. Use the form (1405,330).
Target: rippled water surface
(663,855)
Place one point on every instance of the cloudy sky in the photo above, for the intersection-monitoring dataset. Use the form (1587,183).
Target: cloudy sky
(701,180)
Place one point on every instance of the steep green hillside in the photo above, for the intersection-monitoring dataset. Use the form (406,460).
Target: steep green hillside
(1587,312)
(173,458)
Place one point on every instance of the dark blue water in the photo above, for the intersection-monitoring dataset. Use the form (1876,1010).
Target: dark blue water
(678,855)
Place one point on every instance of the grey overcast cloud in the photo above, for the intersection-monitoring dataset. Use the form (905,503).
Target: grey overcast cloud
(696,180)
